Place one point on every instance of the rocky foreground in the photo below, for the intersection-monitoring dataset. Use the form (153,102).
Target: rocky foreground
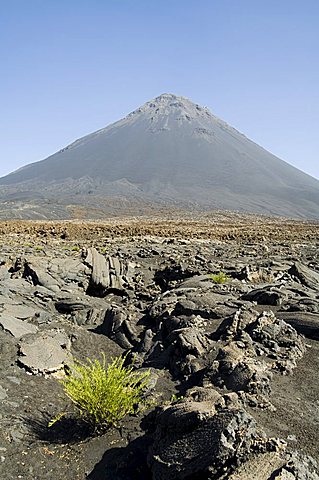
(233,390)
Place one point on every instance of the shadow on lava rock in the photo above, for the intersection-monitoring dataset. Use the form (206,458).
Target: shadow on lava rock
(127,463)
(66,430)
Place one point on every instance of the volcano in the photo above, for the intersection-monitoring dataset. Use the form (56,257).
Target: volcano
(168,153)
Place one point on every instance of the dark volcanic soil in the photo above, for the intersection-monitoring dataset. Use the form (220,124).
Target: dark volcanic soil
(296,398)
(211,344)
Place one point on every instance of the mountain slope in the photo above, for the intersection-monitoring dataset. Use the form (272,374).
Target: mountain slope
(169,152)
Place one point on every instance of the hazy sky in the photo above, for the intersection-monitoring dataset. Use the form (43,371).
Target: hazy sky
(69,67)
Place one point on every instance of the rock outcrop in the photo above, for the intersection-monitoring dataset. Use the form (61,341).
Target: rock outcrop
(232,387)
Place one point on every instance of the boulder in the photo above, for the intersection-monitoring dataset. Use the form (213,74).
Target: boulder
(307,276)
(264,296)
(194,440)
(21,311)
(255,345)
(46,352)
(36,272)
(269,336)
(239,370)
(117,326)
(108,274)
(17,328)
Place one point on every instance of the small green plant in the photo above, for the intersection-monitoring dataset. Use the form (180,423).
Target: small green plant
(75,248)
(103,394)
(173,400)
(176,398)
(219,277)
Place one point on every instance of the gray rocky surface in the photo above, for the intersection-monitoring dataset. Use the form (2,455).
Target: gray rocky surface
(233,373)
(192,438)
(16,327)
(44,353)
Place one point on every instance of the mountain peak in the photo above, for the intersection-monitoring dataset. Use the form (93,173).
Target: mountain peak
(167,97)
(174,101)
(171,151)
(174,106)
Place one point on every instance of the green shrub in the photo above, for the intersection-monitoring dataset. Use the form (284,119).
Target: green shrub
(103,395)
(219,277)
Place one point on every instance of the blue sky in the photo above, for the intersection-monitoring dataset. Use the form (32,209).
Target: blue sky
(70,67)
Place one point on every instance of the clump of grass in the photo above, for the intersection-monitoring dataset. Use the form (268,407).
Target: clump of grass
(103,394)
(219,277)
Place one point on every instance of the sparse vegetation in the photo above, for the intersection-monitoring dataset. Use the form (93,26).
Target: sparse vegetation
(176,398)
(103,394)
(219,277)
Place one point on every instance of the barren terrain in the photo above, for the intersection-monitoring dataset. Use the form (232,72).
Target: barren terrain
(234,366)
